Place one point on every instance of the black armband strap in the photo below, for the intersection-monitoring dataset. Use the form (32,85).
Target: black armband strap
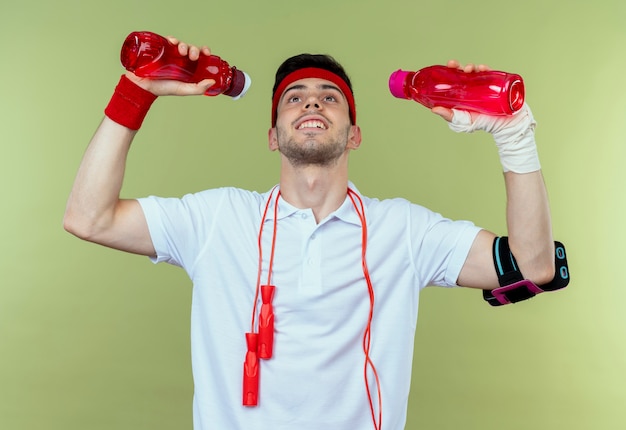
(513,287)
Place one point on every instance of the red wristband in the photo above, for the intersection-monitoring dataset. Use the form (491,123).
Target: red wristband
(129,104)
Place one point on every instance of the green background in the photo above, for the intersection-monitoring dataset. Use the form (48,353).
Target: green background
(92,338)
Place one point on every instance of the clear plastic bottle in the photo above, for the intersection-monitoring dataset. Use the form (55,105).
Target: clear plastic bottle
(150,55)
(489,92)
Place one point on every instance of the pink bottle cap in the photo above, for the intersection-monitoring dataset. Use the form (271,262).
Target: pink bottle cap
(396,83)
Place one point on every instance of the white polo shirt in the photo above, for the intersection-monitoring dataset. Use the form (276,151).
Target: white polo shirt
(316,377)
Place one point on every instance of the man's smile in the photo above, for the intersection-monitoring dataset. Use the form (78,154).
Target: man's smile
(312,124)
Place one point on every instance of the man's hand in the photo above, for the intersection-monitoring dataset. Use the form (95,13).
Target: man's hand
(160,87)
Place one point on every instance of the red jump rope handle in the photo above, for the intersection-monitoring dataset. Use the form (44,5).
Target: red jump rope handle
(251,371)
(266,323)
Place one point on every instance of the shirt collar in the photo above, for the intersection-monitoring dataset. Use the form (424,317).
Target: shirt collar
(346,212)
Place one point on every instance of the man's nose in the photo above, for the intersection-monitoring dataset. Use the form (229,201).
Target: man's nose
(312,103)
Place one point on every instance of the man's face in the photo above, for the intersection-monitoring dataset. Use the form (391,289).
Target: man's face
(313,123)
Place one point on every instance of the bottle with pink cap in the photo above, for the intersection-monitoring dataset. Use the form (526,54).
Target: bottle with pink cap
(489,92)
(152,56)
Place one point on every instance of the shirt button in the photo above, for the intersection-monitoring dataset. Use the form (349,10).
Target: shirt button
(313,236)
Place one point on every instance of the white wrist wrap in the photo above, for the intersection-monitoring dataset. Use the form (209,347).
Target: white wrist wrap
(514,136)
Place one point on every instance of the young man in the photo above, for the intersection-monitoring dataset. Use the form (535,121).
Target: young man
(346,270)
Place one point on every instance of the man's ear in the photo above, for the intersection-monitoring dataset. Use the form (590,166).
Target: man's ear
(354,138)
(272,139)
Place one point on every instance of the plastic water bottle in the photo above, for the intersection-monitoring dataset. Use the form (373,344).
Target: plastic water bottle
(152,56)
(489,92)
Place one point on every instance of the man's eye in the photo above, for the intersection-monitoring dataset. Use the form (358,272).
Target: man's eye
(294,99)
(330,98)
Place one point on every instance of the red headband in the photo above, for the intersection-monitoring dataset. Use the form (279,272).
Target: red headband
(314,72)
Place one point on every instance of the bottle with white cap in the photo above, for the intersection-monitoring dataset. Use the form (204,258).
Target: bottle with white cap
(149,55)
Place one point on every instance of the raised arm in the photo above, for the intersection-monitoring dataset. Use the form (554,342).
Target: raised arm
(529,225)
(94,209)
(529,231)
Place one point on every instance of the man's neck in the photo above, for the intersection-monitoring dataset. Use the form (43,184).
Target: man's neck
(321,189)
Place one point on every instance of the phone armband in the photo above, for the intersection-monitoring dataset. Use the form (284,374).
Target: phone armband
(513,287)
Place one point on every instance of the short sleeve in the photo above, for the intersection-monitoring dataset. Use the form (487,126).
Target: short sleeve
(440,246)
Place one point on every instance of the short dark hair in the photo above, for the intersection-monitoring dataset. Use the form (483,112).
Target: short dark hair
(301,61)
